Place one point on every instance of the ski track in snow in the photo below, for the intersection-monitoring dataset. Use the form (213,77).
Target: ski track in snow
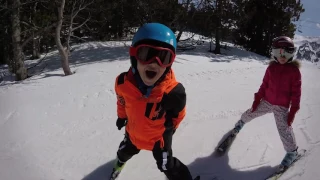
(263,156)
(7,118)
(219,115)
(252,166)
(308,137)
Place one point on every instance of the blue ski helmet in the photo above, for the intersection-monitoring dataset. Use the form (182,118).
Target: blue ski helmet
(154,34)
(157,32)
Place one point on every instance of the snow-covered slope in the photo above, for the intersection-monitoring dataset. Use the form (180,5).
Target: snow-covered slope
(54,127)
(308,48)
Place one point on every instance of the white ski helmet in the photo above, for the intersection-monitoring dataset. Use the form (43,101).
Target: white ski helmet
(283,46)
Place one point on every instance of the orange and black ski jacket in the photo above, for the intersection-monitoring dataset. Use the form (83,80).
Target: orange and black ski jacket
(154,118)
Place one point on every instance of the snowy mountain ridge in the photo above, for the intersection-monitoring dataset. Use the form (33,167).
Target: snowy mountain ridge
(308,48)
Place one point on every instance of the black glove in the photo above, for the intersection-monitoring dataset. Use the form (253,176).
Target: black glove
(121,122)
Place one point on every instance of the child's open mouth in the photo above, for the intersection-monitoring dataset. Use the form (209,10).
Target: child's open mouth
(151,74)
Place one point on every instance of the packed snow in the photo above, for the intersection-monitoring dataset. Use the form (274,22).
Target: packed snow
(54,127)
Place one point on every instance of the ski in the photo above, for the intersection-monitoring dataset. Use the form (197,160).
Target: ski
(225,144)
(281,170)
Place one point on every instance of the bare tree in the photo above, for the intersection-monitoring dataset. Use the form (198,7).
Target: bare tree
(17,66)
(36,39)
(39,32)
(61,49)
(77,6)
(183,14)
(218,12)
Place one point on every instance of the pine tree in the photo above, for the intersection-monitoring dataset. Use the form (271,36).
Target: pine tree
(261,21)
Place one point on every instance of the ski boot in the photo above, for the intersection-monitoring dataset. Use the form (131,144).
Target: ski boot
(238,127)
(289,158)
(116,170)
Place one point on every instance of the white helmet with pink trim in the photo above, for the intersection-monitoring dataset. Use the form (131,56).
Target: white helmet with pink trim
(283,46)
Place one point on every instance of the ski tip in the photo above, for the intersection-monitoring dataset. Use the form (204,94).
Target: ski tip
(303,150)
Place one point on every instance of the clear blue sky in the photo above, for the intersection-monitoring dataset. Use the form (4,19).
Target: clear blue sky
(309,22)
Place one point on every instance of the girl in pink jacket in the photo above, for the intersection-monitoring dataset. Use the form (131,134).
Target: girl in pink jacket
(280,94)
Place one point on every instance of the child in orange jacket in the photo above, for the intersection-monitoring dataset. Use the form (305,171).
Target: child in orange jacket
(151,103)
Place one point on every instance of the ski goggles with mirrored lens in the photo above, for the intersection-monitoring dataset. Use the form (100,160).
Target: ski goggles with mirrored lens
(146,54)
(287,49)
(283,52)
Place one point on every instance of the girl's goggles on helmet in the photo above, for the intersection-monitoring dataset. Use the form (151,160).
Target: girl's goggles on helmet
(283,52)
(146,54)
